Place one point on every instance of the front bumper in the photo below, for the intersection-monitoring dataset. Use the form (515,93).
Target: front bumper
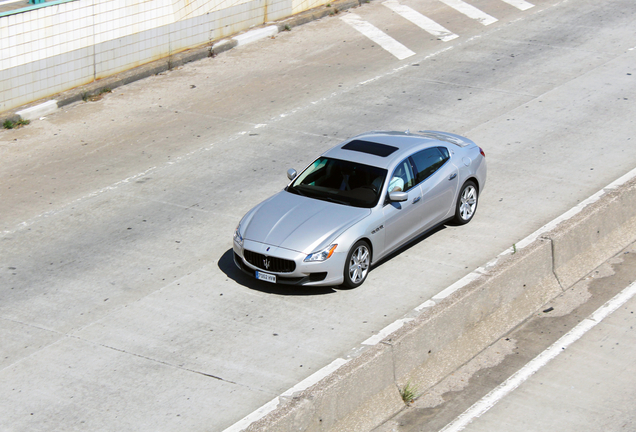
(324,273)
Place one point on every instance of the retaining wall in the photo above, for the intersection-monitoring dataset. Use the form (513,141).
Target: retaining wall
(464,320)
(51,47)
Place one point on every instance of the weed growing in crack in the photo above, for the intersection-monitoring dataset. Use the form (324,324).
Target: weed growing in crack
(409,393)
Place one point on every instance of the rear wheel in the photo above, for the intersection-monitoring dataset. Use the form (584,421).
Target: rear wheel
(357,264)
(466,203)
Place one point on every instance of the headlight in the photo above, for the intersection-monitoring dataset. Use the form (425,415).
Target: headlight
(238,238)
(321,255)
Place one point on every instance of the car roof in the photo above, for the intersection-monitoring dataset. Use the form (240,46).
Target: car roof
(385,148)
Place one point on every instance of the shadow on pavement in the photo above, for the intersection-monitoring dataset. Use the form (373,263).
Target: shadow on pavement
(409,245)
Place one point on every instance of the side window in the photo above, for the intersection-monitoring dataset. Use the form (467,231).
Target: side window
(428,161)
(402,178)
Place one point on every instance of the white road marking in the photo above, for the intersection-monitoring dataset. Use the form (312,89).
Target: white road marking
(539,361)
(314,378)
(377,338)
(425,305)
(470,11)
(254,416)
(535,235)
(519,4)
(273,404)
(378,36)
(420,20)
(457,285)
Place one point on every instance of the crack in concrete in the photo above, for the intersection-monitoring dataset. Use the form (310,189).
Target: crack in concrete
(165,363)
(68,336)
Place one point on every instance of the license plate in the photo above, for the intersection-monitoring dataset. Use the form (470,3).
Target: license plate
(266,277)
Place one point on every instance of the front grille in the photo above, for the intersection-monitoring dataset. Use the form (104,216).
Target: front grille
(275,265)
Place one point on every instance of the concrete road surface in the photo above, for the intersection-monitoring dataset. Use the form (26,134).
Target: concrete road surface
(120,307)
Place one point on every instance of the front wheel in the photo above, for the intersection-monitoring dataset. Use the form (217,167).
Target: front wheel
(357,265)
(466,203)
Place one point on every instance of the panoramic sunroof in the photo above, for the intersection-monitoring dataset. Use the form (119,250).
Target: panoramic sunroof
(376,149)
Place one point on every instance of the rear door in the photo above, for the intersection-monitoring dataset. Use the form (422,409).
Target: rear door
(438,180)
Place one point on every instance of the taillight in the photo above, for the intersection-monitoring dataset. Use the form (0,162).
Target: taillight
(481,150)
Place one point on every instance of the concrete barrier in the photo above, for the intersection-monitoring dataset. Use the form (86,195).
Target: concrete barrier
(601,230)
(467,318)
(346,400)
(460,326)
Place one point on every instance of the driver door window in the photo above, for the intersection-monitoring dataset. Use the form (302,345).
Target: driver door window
(402,178)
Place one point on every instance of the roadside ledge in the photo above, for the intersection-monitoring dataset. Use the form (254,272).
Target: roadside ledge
(363,390)
(46,106)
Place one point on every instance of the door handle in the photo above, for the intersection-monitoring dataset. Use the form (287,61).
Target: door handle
(452,176)
(416,200)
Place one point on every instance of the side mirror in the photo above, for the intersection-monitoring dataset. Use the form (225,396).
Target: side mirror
(398,196)
(291,173)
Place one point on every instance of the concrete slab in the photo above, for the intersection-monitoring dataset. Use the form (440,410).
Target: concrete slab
(86,386)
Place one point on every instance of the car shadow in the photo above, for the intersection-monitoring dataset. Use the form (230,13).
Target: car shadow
(227,266)
(410,244)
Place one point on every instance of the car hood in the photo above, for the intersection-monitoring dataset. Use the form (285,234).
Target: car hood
(300,223)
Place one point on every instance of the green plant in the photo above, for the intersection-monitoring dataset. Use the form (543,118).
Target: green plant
(514,248)
(409,393)
(10,124)
(287,27)
(85,96)
(105,90)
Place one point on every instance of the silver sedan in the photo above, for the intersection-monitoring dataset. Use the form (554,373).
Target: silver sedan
(357,203)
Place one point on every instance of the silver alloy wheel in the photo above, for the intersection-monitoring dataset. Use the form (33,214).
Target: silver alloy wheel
(359,264)
(468,202)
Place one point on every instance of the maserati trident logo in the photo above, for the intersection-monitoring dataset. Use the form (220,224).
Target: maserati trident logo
(266,263)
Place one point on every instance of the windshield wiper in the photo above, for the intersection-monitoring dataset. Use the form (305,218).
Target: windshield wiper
(328,198)
(296,191)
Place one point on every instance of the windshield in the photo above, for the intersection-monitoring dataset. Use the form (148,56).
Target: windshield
(340,181)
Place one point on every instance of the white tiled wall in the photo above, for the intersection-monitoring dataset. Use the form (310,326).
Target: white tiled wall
(51,49)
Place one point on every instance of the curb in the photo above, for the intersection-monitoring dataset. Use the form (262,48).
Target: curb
(46,106)
(360,392)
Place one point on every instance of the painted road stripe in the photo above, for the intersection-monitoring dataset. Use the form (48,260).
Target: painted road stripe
(470,11)
(519,4)
(382,334)
(273,404)
(539,361)
(420,20)
(314,378)
(535,235)
(378,36)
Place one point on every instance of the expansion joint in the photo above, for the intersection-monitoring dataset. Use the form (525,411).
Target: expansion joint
(552,255)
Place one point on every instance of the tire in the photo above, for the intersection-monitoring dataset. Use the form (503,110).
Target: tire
(466,203)
(357,265)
